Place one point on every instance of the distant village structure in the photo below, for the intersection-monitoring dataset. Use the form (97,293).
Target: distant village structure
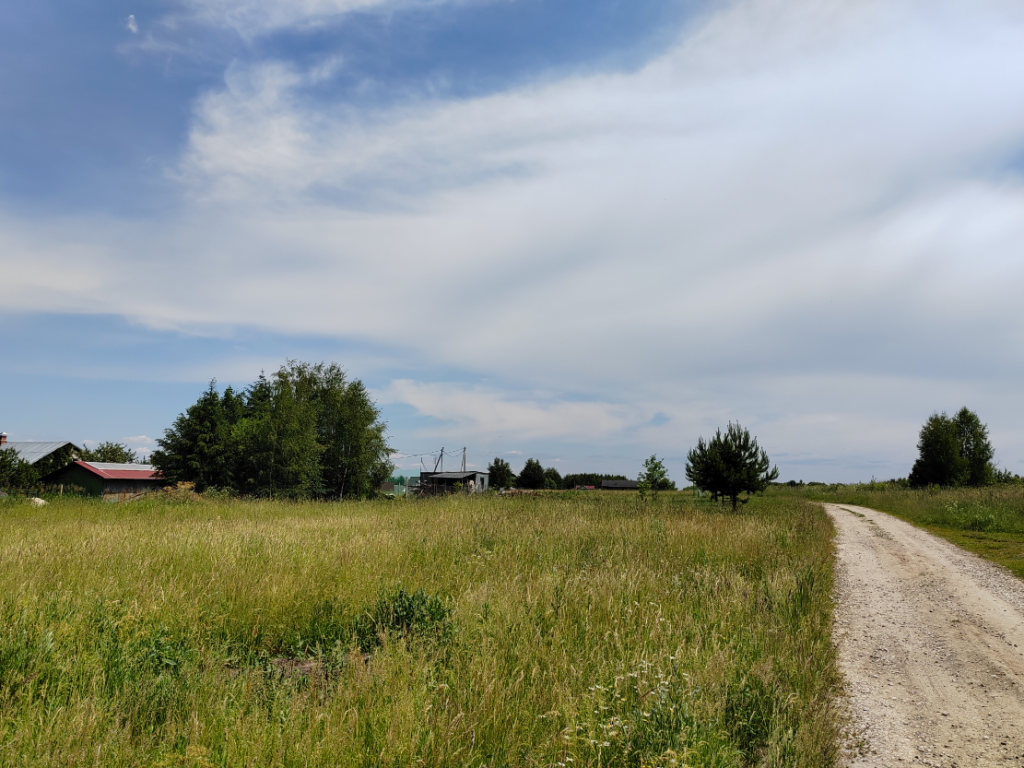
(60,465)
(619,485)
(438,481)
(44,455)
(114,482)
(448,482)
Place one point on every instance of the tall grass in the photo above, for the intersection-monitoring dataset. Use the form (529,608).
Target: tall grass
(990,509)
(579,630)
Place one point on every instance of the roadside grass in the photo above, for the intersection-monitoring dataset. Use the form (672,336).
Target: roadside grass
(564,630)
(987,521)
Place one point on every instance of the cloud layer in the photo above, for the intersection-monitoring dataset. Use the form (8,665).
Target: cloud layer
(794,197)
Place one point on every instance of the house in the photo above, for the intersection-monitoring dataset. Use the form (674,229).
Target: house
(619,485)
(444,482)
(44,456)
(114,482)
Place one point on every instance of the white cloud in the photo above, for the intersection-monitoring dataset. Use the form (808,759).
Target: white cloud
(796,192)
(131,25)
(483,414)
(251,18)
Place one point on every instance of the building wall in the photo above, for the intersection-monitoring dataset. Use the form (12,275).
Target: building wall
(76,475)
(123,490)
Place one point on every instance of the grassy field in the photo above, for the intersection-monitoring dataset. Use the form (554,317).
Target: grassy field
(563,630)
(987,521)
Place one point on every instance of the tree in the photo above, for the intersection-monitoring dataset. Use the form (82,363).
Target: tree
(552,480)
(655,476)
(303,431)
(532,475)
(111,453)
(198,447)
(730,464)
(15,472)
(953,452)
(501,474)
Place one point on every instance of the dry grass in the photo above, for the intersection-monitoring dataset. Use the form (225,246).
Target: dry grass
(562,630)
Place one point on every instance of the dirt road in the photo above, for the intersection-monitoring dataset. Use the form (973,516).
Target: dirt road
(931,641)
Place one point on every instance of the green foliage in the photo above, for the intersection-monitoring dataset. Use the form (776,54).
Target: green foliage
(730,464)
(305,431)
(953,452)
(199,447)
(110,452)
(15,472)
(400,613)
(531,477)
(501,474)
(552,479)
(654,478)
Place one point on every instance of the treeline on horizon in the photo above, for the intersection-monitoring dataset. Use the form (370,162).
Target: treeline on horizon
(534,476)
(305,431)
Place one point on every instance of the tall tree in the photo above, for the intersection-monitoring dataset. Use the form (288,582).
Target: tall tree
(303,431)
(198,447)
(276,441)
(730,464)
(552,479)
(953,452)
(531,476)
(501,474)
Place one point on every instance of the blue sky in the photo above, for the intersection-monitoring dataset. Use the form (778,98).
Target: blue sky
(584,232)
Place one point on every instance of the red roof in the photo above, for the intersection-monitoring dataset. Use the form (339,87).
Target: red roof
(121,474)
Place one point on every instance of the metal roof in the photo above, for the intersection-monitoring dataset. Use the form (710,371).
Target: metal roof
(32,451)
(109,471)
(448,475)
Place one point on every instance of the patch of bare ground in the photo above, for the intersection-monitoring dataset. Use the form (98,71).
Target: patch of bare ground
(931,642)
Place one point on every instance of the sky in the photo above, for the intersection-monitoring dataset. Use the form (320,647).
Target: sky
(584,232)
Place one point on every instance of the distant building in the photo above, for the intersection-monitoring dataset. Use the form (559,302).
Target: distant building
(114,482)
(619,485)
(44,456)
(444,482)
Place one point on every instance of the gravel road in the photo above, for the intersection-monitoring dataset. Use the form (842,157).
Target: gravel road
(931,641)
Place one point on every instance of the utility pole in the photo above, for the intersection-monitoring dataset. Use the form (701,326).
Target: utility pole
(463,458)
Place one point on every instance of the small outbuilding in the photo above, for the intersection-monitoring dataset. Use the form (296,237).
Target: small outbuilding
(114,482)
(446,482)
(619,485)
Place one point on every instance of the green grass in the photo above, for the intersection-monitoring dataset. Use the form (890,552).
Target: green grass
(987,521)
(578,630)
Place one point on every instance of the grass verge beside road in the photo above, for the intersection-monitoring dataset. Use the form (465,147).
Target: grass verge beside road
(570,629)
(987,521)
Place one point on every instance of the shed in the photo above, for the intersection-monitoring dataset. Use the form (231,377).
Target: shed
(444,482)
(114,482)
(619,485)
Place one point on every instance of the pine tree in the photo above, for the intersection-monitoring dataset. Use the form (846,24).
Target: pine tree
(730,464)
(198,447)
